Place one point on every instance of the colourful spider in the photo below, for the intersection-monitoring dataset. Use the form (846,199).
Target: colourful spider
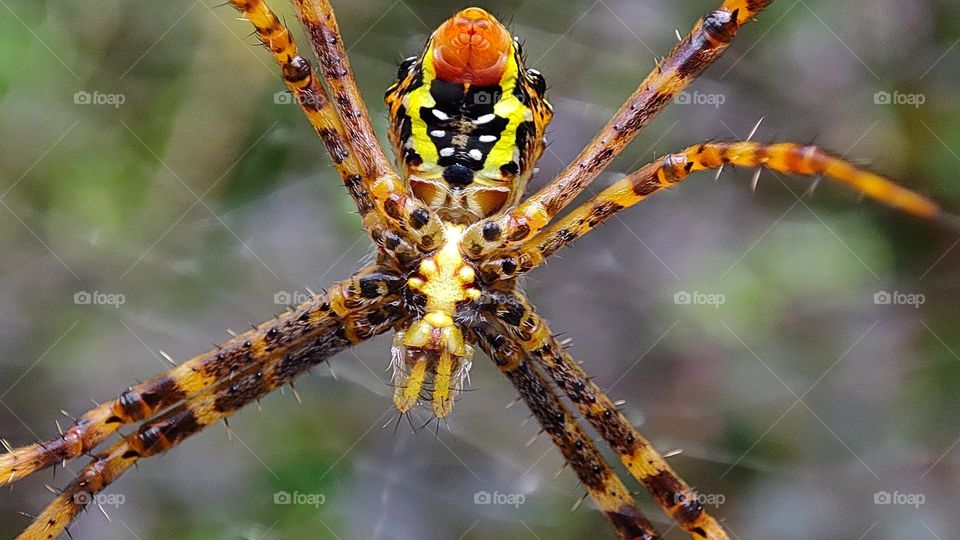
(454,234)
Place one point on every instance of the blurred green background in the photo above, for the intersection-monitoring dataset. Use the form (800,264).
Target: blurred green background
(145,155)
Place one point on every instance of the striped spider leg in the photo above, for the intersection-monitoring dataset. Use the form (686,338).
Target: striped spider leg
(709,38)
(517,318)
(205,389)
(403,211)
(788,158)
(579,451)
(401,228)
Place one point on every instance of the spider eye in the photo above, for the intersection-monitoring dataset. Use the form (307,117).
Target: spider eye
(537,81)
(405,67)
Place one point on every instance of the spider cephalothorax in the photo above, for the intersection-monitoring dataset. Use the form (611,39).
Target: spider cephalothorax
(453,234)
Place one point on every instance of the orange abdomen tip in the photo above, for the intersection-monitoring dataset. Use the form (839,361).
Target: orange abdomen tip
(471,47)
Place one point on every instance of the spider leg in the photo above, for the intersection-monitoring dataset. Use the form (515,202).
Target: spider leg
(387,190)
(193,415)
(604,487)
(788,158)
(317,321)
(394,221)
(669,491)
(709,38)
(324,34)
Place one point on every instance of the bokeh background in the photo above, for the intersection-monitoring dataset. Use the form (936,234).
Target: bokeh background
(147,156)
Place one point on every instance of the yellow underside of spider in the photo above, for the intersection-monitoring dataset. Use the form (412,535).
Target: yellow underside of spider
(434,345)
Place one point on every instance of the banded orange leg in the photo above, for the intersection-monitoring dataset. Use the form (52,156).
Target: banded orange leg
(314,321)
(349,151)
(709,38)
(210,406)
(387,189)
(789,158)
(669,491)
(602,484)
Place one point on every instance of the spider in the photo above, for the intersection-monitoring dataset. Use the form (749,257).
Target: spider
(454,234)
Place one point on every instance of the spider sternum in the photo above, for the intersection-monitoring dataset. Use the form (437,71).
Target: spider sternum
(434,344)
(445,278)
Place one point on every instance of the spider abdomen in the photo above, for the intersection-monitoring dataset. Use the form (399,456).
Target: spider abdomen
(467,132)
